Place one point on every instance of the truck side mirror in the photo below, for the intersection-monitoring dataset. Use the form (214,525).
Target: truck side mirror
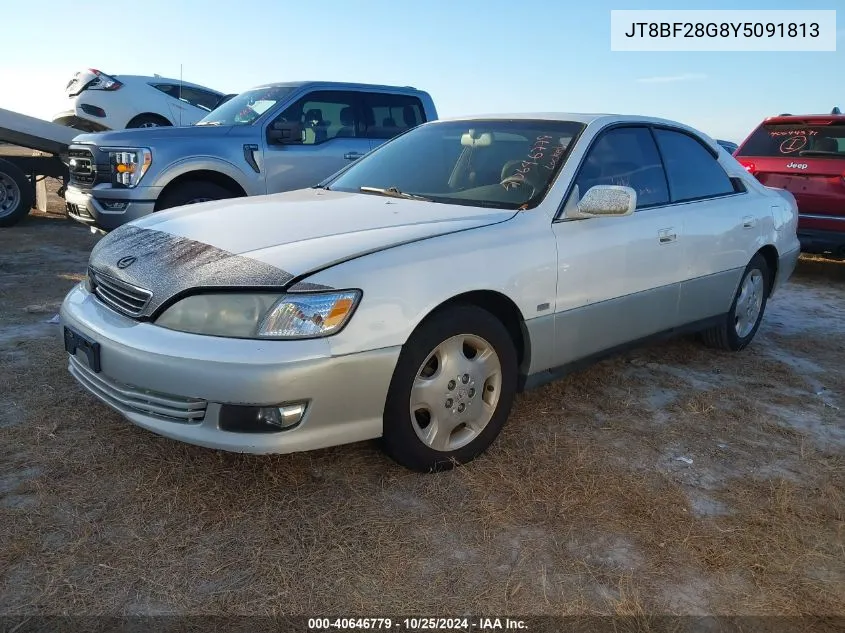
(286,133)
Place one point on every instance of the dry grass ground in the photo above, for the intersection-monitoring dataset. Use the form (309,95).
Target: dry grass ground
(583,505)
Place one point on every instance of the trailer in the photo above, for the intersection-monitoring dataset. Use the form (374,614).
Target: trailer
(31,150)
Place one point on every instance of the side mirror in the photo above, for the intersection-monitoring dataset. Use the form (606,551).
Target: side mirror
(283,133)
(604,201)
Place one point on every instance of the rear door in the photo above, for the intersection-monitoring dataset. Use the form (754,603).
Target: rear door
(331,120)
(807,158)
(720,223)
(387,115)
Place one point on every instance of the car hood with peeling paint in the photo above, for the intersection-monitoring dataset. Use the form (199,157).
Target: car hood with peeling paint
(269,241)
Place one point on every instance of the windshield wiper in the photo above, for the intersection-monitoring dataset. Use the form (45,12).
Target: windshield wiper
(393,192)
(818,152)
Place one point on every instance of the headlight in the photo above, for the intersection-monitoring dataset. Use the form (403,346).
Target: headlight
(128,166)
(263,316)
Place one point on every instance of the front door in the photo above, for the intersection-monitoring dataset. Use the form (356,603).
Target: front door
(333,139)
(618,278)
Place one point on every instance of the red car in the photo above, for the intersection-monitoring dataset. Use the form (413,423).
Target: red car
(804,154)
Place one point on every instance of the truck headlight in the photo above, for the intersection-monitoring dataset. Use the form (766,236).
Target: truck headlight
(128,166)
(262,316)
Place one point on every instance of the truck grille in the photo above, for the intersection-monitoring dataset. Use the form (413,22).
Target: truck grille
(119,295)
(82,167)
(126,398)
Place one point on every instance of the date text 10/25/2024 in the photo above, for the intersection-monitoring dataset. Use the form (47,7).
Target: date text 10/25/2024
(416,624)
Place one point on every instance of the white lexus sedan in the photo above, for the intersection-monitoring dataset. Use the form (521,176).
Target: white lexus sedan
(411,295)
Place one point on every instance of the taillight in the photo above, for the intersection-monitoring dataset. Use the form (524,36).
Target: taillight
(103,81)
(750,167)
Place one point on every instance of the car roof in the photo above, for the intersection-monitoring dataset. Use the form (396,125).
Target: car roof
(334,84)
(168,80)
(578,117)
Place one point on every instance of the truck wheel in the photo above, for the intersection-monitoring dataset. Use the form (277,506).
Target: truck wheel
(148,120)
(193,192)
(15,194)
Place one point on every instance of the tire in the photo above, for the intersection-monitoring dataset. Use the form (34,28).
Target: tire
(16,195)
(148,120)
(193,192)
(441,337)
(736,332)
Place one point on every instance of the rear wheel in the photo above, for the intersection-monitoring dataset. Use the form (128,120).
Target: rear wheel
(746,313)
(452,390)
(148,120)
(16,198)
(193,192)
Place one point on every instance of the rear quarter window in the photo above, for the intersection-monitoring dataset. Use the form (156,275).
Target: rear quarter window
(793,140)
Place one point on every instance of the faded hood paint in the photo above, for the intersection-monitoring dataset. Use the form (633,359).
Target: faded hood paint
(268,241)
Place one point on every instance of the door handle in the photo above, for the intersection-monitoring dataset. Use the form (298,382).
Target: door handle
(665,236)
(748,222)
(352,155)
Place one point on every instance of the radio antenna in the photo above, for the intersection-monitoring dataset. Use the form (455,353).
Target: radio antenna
(180,94)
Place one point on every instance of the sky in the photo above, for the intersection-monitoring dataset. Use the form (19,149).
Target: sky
(472,56)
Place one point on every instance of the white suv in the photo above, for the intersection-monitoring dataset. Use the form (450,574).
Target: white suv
(114,102)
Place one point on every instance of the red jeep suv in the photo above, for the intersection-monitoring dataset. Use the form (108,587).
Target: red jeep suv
(806,156)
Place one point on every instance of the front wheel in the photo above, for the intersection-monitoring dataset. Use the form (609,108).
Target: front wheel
(746,313)
(452,390)
(192,192)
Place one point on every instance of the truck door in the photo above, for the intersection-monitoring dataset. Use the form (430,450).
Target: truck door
(333,137)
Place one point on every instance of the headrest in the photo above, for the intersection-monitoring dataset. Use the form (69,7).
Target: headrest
(409,116)
(826,144)
(347,117)
(389,122)
(314,116)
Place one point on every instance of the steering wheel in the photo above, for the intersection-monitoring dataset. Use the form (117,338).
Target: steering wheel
(517,182)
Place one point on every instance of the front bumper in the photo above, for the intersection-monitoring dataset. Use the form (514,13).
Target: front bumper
(174,384)
(87,206)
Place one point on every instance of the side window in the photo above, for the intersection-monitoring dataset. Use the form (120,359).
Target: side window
(387,115)
(199,98)
(693,172)
(626,156)
(169,89)
(325,115)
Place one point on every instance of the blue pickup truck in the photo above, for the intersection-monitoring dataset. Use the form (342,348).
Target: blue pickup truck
(273,138)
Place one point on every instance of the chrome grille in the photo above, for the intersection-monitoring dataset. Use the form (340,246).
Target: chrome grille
(119,295)
(126,398)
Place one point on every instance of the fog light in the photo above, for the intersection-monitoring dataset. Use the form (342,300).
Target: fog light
(241,419)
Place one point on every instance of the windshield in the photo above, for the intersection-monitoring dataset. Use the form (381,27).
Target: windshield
(504,164)
(796,139)
(245,108)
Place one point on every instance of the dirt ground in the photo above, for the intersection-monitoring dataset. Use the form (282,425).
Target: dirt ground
(672,480)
